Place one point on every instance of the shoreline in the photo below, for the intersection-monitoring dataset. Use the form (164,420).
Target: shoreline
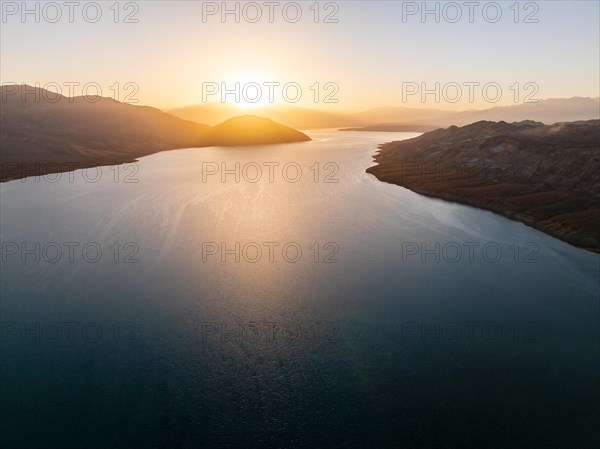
(482,194)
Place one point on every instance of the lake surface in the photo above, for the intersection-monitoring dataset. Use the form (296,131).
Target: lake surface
(315,309)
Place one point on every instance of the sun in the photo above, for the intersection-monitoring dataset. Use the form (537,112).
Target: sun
(251,90)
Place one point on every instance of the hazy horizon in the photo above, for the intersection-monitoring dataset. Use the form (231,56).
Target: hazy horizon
(368,54)
(252,109)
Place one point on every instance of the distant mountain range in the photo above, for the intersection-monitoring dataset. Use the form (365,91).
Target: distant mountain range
(289,115)
(402,118)
(42,132)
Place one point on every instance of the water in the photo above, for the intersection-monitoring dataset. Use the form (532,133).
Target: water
(355,342)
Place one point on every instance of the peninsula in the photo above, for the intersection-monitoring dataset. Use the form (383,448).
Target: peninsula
(546,176)
(42,132)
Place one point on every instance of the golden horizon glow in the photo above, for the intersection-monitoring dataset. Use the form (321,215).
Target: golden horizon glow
(364,53)
(248,88)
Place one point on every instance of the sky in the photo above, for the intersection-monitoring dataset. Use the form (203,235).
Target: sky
(358,54)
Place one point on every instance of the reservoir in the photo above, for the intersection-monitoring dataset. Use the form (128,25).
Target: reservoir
(280,296)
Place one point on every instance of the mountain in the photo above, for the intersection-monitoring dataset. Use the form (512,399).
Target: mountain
(210,113)
(252,130)
(402,115)
(42,132)
(546,111)
(289,115)
(400,118)
(394,128)
(546,176)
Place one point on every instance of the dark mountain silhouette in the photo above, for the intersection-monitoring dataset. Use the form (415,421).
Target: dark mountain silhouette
(42,132)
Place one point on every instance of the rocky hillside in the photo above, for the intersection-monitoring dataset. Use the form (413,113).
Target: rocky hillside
(547,176)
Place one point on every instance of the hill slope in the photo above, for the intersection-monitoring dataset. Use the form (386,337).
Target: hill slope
(547,177)
(252,130)
(42,132)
